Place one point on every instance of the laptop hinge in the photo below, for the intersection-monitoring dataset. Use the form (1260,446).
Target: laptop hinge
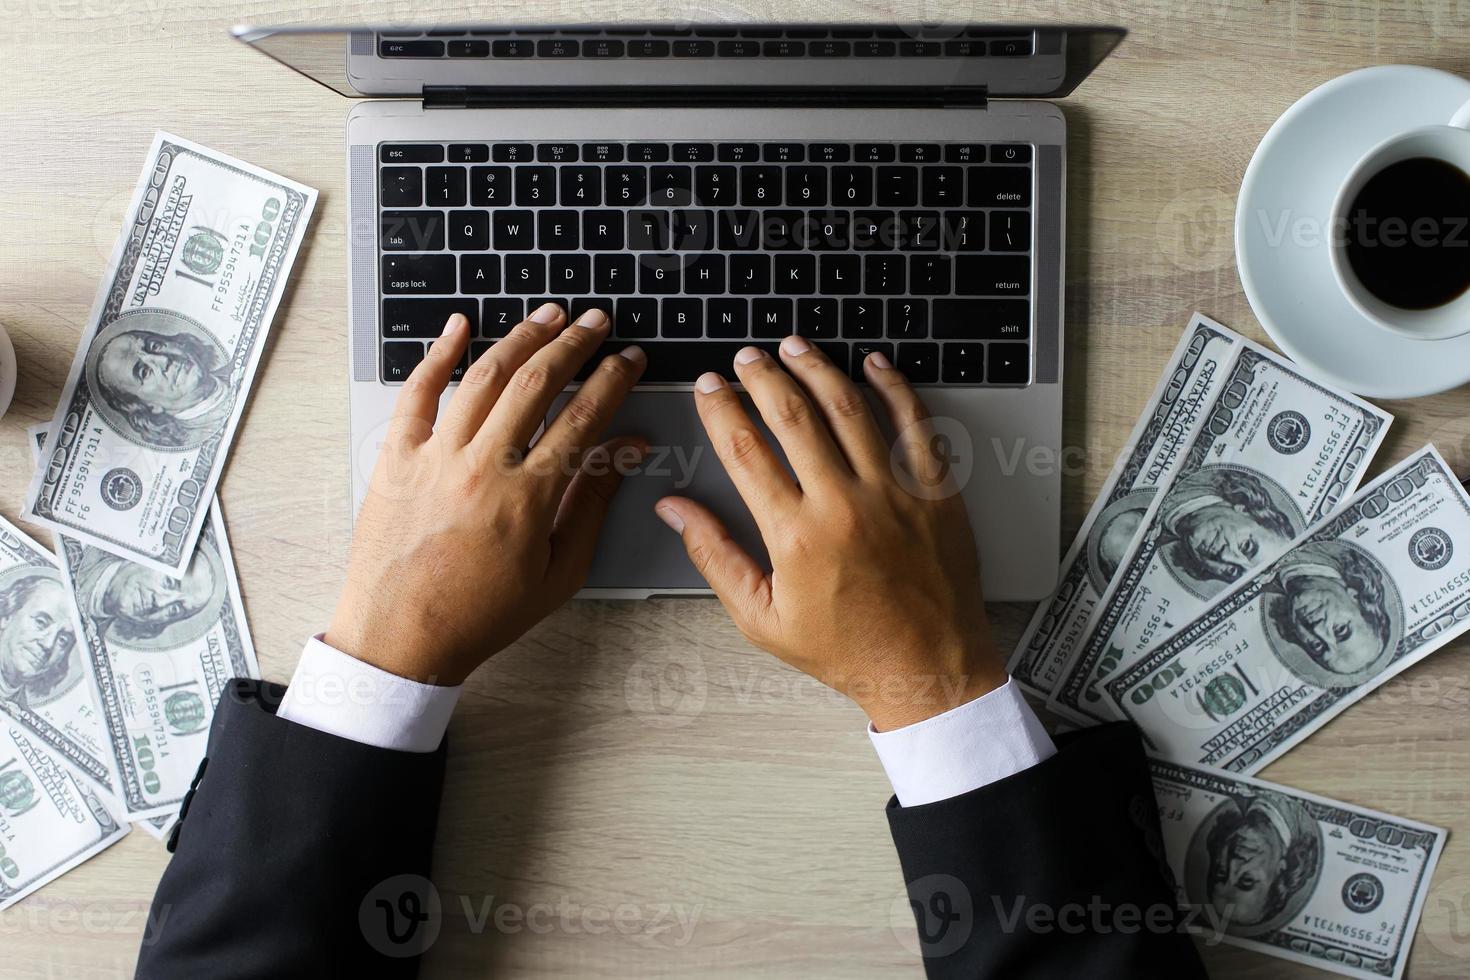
(703,96)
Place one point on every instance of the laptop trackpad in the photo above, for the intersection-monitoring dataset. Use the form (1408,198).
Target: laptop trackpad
(636,549)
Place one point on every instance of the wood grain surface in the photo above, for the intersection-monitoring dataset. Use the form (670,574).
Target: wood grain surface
(658,798)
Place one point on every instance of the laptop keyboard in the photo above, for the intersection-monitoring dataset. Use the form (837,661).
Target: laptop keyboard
(704,42)
(919,250)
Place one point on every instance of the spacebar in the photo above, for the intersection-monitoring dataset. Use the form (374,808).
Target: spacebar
(675,362)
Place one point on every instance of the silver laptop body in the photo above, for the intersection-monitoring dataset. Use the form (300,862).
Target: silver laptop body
(887,187)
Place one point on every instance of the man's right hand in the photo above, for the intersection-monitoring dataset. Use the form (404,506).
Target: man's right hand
(874,587)
(466,538)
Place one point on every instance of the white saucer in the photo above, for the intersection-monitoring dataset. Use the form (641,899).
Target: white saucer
(7,370)
(1281,231)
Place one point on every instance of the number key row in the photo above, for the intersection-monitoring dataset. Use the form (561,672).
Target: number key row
(711,186)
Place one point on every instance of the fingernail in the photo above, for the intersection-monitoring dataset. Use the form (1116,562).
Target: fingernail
(747,354)
(456,322)
(546,313)
(670,517)
(880,361)
(592,319)
(634,354)
(709,382)
(795,346)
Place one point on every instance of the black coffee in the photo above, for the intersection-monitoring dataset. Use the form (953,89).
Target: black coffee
(1408,233)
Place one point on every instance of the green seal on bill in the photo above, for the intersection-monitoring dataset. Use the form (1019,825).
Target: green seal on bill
(185,712)
(17,792)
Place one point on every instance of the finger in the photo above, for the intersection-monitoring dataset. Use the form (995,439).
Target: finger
(752,466)
(483,383)
(583,508)
(418,400)
(585,415)
(743,587)
(841,404)
(792,419)
(912,426)
(530,391)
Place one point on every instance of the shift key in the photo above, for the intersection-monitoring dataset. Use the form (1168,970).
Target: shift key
(981,319)
(423,274)
(424,319)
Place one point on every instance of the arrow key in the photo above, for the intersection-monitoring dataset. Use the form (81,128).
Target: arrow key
(919,362)
(964,363)
(1010,364)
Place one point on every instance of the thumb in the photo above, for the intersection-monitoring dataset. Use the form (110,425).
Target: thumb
(584,506)
(743,587)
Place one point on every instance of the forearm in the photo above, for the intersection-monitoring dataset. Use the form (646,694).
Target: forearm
(286,837)
(1022,869)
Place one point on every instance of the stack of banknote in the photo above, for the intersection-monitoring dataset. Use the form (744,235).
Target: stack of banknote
(1232,590)
(115,649)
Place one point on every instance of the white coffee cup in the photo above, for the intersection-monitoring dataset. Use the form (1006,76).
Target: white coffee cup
(1449,143)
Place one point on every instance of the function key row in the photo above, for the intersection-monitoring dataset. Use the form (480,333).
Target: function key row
(563,48)
(807,31)
(709,185)
(703,152)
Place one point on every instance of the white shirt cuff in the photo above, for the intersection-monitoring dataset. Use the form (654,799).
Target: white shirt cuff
(341,695)
(992,737)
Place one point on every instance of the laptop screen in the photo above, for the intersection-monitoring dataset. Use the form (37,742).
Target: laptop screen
(1004,60)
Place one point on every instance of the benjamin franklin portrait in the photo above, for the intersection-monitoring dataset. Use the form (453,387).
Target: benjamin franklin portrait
(1255,859)
(142,609)
(1220,523)
(1113,533)
(1332,615)
(39,658)
(160,379)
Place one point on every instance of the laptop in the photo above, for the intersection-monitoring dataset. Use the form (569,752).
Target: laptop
(873,187)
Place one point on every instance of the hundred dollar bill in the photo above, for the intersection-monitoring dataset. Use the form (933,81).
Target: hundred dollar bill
(1151,453)
(1294,875)
(1275,453)
(161,649)
(158,826)
(50,821)
(44,682)
(1375,588)
(163,369)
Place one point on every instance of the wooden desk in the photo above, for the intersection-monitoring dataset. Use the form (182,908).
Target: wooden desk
(742,795)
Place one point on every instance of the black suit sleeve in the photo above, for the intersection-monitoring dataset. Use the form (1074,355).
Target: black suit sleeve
(1056,871)
(284,836)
